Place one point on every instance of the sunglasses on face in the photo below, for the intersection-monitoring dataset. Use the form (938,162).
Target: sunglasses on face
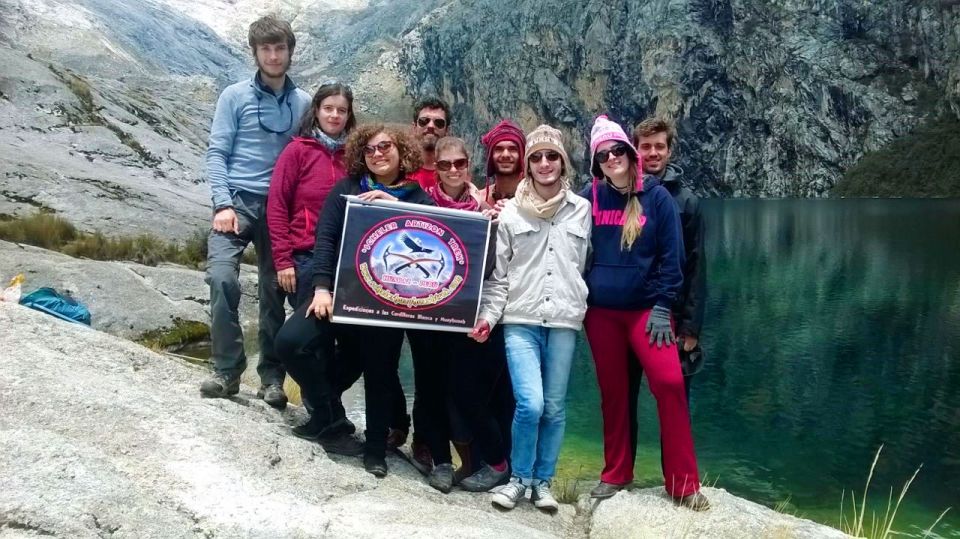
(460,164)
(384,147)
(439,123)
(550,155)
(616,151)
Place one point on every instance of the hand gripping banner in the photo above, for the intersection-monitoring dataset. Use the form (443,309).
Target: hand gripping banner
(410,265)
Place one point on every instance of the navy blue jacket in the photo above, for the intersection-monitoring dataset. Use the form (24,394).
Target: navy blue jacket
(647,274)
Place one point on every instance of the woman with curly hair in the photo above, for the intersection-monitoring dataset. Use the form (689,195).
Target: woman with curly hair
(377,157)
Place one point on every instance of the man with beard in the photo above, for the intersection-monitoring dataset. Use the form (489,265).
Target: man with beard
(504,145)
(253,122)
(431,121)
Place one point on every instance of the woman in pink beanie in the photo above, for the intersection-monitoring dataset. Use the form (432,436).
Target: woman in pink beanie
(633,281)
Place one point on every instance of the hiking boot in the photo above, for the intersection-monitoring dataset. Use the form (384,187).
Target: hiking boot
(605,490)
(375,465)
(421,459)
(542,498)
(695,501)
(396,438)
(342,444)
(273,395)
(484,479)
(317,428)
(220,386)
(441,477)
(507,496)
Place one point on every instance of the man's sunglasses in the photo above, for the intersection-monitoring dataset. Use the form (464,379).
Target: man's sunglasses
(617,151)
(439,123)
(384,147)
(550,155)
(460,164)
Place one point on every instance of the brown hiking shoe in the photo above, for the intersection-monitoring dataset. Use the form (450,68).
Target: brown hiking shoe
(422,459)
(695,501)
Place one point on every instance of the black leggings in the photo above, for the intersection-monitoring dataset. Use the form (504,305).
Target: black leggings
(326,359)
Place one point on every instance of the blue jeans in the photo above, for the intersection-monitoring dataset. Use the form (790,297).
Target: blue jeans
(539,359)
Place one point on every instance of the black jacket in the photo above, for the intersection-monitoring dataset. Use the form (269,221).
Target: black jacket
(326,250)
(690,304)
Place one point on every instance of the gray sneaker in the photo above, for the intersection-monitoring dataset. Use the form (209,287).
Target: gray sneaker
(219,386)
(507,496)
(273,395)
(542,498)
(484,479)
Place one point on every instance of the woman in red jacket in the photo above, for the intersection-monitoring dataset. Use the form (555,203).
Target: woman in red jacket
(304,174)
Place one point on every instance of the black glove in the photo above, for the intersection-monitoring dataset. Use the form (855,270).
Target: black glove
(658,326)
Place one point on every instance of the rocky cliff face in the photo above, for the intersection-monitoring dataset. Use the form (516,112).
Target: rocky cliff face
(771,98)
(105,105)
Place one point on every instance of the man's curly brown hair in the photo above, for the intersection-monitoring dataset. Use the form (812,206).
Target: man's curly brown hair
(406,144)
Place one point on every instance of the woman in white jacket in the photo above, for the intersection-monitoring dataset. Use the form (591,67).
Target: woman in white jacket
(537,291)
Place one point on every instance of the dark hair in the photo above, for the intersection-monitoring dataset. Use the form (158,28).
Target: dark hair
(432,103)
(652,126)
(270,29)
(328,89)
(410,152)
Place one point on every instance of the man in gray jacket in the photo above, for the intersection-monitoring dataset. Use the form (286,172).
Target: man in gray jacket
(254,121)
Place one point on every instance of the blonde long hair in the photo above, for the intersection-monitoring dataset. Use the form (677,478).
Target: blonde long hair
(634,211)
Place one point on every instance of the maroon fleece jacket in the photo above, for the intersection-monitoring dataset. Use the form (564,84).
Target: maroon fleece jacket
(305,173)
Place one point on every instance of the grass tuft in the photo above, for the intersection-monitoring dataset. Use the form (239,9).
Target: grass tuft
(57,234)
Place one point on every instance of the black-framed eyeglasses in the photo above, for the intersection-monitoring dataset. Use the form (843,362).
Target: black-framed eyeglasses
(424,121)
(267,129)
(617,151)
(460,164)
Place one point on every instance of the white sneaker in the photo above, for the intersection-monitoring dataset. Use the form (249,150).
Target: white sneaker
(508,495)
(542,498)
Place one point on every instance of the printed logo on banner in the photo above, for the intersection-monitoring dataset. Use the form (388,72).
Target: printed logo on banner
(412,262)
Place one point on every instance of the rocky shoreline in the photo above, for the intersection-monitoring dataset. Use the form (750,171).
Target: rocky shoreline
(102,436)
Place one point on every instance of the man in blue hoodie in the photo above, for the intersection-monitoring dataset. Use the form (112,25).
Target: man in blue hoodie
(253,122)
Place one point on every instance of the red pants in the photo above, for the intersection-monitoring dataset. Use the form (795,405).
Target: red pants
(610,333)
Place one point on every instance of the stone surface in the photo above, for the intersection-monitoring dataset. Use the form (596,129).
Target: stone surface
(650,513)
(125,299)
(101,436)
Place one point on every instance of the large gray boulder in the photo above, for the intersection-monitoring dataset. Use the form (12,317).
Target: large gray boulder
(100,436)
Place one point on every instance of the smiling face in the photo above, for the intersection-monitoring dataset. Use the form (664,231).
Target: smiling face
(332,115)
(546,167)
(655,151)
(506,158)
(616,167)
(457,175)
(383,163)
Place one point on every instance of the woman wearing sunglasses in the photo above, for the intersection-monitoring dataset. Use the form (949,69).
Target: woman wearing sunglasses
(468,370)
(537,292)
(377,158)
(634,277)
(304,174)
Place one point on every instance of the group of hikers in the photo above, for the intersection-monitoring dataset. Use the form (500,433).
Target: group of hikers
(622,259)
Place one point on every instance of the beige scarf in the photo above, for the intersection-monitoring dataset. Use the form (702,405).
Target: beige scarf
(530,201)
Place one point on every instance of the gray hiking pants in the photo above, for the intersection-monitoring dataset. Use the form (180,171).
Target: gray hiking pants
(223,270)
